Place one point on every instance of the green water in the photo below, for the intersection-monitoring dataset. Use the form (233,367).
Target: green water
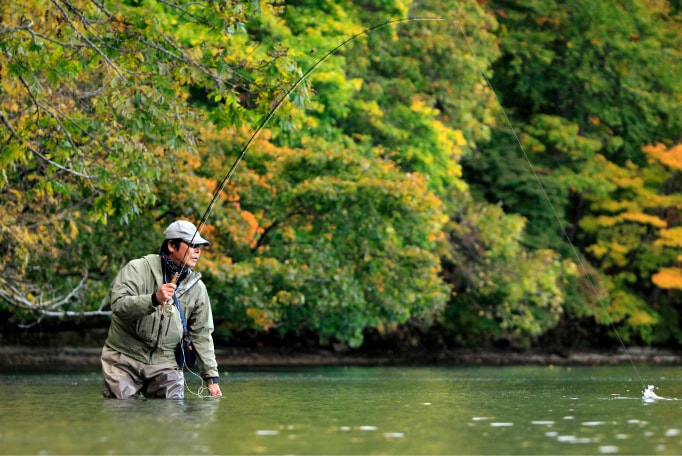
(358,410)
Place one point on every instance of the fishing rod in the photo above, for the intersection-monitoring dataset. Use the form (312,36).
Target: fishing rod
(265,119)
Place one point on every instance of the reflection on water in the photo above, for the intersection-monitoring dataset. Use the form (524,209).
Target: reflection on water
(501,410)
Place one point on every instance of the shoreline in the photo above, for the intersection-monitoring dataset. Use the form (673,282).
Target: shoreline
(16,357)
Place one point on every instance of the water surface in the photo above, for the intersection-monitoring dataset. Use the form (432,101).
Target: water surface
(357,410)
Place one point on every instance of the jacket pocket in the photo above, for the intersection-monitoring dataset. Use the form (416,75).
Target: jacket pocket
(171,332)
(148,328)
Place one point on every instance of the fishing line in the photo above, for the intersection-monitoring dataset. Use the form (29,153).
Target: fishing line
(265,119)
(200,390)
(593,287)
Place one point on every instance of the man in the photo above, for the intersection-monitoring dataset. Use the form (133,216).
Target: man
(139,352)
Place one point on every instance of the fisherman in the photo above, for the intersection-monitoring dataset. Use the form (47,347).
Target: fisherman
(139,352)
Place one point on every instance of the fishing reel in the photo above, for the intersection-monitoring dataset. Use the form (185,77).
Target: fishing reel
(168,309)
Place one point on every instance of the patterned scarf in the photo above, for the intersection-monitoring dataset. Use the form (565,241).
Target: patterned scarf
(170,268)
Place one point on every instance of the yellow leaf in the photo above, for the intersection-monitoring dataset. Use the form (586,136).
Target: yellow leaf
(670,238)
(644,219)
(668,278)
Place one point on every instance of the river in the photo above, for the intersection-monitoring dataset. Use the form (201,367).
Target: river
(354,411)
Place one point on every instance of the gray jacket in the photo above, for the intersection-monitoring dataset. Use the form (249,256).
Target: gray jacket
(138,329)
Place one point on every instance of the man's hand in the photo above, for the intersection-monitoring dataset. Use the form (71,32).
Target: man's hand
(165,293)
(214,390)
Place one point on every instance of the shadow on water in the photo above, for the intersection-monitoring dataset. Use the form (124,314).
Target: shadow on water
(355,410)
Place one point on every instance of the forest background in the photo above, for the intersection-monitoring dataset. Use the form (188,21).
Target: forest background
(488,173)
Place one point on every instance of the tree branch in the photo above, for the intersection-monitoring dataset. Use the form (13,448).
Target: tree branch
(264,238)
(47,307)
(92,45)
(185,12)
(38,153)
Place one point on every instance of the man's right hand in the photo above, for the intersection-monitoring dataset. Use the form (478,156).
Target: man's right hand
(165,293)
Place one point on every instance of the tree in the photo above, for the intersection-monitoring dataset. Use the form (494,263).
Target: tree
(635,237)
(173,67)
(98,109)
(609,67)
(321,239)
(416,98)
(587,85)
(502,290)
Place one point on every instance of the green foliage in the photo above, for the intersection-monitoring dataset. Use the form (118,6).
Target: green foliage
(96,115)
(329,241)
(500,176)
(631,234)
(404,93)
(118,118)
(590,84)
(502,289)
(610,67)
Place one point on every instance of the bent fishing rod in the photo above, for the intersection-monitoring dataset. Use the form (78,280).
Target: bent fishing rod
(265,119)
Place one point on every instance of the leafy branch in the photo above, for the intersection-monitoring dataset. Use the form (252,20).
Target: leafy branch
(37,153)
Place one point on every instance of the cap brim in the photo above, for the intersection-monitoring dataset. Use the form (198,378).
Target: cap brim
(198,240)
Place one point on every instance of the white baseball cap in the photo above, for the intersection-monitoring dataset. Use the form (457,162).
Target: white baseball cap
(182,229)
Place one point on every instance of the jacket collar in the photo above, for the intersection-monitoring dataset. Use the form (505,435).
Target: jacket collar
(188,282)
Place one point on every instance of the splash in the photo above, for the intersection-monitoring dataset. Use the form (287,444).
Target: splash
(648,395)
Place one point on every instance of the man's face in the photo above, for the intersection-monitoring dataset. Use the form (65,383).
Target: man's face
(185,254)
